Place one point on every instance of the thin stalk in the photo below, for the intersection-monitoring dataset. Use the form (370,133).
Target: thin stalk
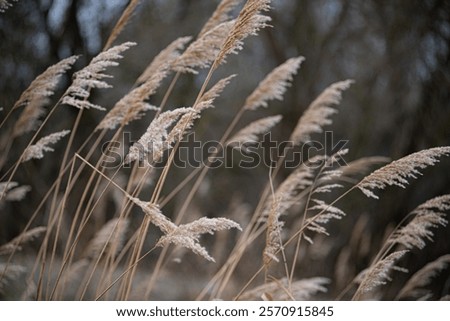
(59,214)
(7,116)
(124,273)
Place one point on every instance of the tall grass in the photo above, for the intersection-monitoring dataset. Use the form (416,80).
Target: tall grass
(109,228)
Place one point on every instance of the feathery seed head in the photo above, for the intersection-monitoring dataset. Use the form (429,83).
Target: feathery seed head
(45,84)
(206,101)
(274,84)
(110,237)
(203,51)
(164,59)
(273,234)
(157,218)
(187,235)
(284,290)
(133,106)
(317,114)
(12,193)
(399,171)
(249,22)
(221,14)
(6,186)
(120,25)
(92,77)
(153,143)
(5,4)
(25,237)
(18,193)
(249,134)
(37,150)
(415,287)
(426,216)
(379,273)
(29,118)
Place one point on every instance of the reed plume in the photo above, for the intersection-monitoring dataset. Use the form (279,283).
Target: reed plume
(186,121)
(153,143)
(110,237)
(133,105)
(249,22)
(37,150)
(165,59)
(274,85)
(221,14)
(44,85)
(92,77)
(5,4)
(16,244)
(398,172)
(249,134)
(378,274)
(204,50)
(273,235)
(29,118)
(318,113)
(426,216)
(415,287)
(281,290)
(185,235)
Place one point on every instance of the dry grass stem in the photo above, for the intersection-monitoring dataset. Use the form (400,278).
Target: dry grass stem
(288,191)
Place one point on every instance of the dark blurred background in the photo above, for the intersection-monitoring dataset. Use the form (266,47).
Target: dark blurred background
(398,53)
